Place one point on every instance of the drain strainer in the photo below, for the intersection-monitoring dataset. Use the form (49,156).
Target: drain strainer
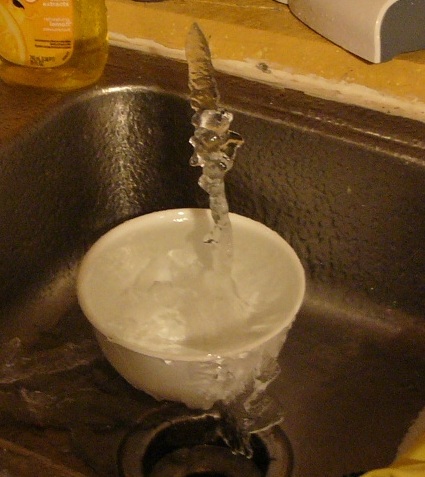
(176,442)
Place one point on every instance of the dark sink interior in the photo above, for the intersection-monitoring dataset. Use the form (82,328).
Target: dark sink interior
(349,197)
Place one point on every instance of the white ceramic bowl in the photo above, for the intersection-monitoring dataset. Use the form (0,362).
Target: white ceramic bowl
(204,364)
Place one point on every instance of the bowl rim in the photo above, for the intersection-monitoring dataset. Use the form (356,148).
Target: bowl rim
(183,215)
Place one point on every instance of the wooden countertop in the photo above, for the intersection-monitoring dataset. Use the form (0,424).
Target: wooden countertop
(263,41)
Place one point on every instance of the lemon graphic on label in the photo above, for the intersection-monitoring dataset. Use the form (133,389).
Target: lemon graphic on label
(12,43)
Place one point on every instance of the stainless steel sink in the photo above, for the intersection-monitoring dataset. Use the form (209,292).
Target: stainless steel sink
(345,186)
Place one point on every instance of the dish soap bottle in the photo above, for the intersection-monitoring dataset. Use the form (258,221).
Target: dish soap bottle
(55,44)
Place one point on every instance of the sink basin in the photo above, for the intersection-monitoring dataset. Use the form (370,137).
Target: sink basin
(344,186)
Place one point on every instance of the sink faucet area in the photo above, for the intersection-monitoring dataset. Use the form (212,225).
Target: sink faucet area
(345,186)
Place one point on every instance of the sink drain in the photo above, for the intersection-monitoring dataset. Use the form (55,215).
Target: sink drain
(176,442)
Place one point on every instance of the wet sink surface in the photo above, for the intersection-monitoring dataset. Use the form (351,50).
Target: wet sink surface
(345,189)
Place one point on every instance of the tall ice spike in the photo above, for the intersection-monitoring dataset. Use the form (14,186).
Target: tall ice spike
(203,87)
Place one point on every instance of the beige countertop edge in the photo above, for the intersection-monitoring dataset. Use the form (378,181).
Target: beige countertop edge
(280,77)
(262,41)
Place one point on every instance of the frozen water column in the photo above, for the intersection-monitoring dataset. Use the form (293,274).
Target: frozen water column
(376,30)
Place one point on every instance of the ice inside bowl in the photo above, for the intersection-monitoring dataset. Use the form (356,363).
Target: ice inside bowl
(169,325)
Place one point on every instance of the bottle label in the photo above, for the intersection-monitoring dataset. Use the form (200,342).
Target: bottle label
(37,33)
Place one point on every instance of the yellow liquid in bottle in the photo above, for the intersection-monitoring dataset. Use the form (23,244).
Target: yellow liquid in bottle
(85,56)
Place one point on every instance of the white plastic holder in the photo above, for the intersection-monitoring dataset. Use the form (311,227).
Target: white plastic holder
(376,30)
